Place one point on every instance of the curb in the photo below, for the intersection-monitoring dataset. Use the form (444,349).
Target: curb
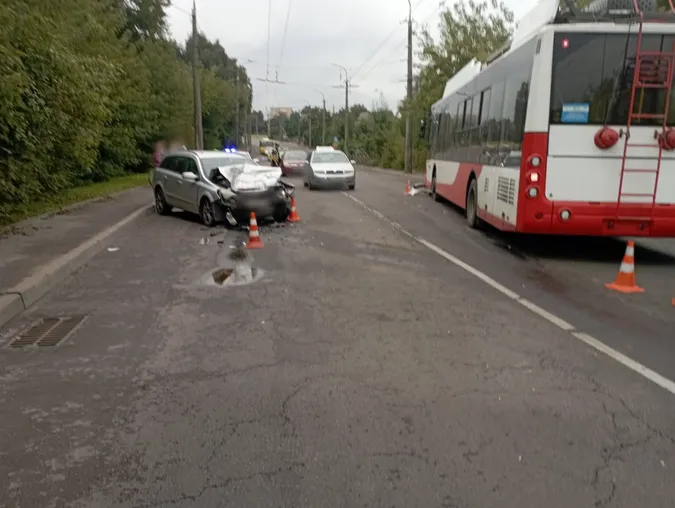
(17,299)
(68,208)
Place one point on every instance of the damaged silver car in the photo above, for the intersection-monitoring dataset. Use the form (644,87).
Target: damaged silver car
(249,187)
(220,187)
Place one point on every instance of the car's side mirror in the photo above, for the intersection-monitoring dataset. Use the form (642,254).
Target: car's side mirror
(189,175)
(353,161)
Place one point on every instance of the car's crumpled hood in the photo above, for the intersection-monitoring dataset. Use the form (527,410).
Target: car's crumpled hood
(251,177)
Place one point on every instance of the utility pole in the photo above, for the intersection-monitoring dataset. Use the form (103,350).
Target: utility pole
(236,118)
(346,112)
(199,132)
(323,123)
(309,117)
(323,118)
(347,86)
(267,69)
(409,98)
(310,128)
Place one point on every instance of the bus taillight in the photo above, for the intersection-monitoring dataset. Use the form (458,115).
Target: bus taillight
(534,161)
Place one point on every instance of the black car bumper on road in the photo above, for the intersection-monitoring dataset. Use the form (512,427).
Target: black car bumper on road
(271,203)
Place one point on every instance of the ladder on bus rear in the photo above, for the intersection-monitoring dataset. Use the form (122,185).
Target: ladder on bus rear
(653,70)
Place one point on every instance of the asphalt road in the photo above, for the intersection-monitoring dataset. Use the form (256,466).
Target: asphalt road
(362,369)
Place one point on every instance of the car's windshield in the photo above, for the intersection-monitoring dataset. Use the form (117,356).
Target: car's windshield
(266,144)
(209,163)
(295,156)
(329,157)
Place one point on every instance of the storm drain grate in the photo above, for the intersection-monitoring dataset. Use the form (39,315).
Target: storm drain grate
(48,332)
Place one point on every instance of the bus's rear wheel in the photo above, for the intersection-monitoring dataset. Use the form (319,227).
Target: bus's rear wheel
(434,194)
(472,205)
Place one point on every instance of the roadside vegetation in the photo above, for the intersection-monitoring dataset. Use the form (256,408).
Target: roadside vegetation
(71,196)
(88,87)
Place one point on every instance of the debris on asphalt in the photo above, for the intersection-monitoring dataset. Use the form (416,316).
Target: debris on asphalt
(113,249)
(415,190)
(243,269)
(204,241)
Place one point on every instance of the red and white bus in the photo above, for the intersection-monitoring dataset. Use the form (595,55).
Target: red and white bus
(540,139)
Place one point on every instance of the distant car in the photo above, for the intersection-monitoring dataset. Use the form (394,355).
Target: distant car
(327,167)
(219,186)
(293,162)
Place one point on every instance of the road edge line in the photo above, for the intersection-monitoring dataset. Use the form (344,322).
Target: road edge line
(30,289)
(585,338)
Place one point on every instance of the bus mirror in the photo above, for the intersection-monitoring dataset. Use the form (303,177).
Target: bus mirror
(423,129)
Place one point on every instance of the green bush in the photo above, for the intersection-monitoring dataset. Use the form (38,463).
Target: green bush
(88,87)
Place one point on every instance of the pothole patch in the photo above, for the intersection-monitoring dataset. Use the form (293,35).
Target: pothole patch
(231,277)
(221,275)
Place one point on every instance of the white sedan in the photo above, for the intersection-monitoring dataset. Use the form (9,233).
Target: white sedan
(327,167)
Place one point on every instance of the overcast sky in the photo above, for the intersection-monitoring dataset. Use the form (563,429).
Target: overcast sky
(319,34)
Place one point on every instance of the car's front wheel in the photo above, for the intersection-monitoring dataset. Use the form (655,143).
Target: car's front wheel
(206,213)
(161,206)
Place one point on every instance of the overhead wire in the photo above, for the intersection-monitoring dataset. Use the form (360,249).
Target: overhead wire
(381,61)
(283,40)
(384,42)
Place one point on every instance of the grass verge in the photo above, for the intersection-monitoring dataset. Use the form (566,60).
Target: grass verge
(73,196)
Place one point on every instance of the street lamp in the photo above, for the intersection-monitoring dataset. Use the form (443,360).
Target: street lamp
(323,118)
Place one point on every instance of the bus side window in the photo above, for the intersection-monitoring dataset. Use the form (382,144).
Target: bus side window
(495,114)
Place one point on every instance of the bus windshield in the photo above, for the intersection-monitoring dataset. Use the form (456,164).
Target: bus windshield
(596,70)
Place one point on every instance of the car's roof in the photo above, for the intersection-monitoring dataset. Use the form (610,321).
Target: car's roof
(332,150)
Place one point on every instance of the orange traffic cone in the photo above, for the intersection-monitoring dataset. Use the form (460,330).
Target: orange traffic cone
(254,241)
(294,216)
(625,280)
(407,189)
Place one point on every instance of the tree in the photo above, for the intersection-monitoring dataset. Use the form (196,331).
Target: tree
(88,87)
(471,29)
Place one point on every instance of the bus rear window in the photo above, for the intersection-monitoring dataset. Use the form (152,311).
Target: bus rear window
(597,70)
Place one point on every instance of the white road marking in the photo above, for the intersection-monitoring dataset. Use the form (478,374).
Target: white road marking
(615,355)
